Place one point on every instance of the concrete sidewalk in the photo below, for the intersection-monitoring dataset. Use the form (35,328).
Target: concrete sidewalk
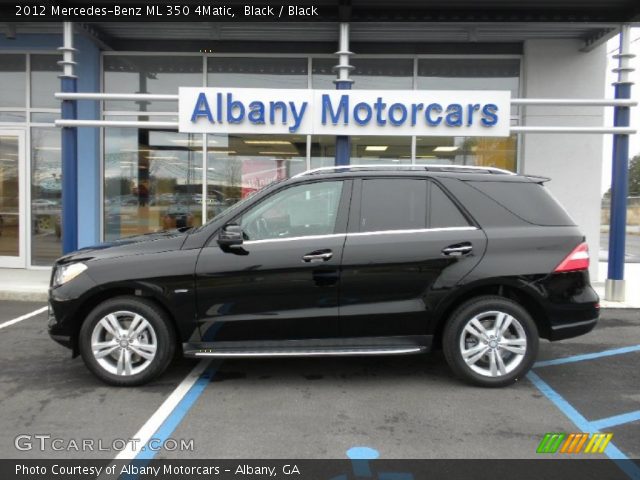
(32,285)
(25,285)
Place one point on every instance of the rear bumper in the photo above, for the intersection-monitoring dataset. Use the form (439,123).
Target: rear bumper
(570,330)
(571,304)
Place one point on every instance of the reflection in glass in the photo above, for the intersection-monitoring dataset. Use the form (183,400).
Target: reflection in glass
(364,150)
(13,80)
(149,74)
(303,210)
(9,195)
(153,181)
(368,73)
(469,74)
(257,72)
(385,150)
(238,165)
(45,81)
(13,117)
(45,117)
(46,195)
(497,152)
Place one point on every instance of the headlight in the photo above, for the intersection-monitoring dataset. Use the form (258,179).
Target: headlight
(66,273)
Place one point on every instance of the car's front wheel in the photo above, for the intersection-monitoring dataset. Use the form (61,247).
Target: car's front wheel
(490,341)
(127,341)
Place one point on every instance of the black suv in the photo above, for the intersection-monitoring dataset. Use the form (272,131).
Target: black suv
(339,261)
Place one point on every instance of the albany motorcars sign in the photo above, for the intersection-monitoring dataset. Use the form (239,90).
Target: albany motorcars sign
(344,112)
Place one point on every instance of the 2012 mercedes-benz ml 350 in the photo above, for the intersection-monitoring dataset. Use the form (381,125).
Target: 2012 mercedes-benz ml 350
(360,260)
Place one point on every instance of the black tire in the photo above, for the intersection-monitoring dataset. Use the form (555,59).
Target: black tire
(158,320)
(455,328)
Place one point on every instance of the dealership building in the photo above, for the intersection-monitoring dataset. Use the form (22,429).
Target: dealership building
(137,172)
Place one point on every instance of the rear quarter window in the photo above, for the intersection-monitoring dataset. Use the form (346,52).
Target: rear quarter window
(532,202)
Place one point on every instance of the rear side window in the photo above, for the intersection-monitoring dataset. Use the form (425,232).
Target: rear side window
(406,204)
(532,202)
(443,212)
(393,204)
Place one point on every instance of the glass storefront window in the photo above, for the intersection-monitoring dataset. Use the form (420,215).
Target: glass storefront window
(152,181)
(469,74)
(364,150)
(368,73)
(238,165)
(500,152)
(12,117)
(44,81)
(384,150)
(46,196)
(149,74)
(9,195)
(257,72)
(13,69)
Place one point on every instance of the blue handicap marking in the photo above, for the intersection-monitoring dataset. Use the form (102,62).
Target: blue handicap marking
(360,457)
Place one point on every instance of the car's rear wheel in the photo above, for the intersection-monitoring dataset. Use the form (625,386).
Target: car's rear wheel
(127,341)
(490,341)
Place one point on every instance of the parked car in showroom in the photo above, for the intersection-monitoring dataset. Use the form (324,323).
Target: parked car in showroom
(359,260)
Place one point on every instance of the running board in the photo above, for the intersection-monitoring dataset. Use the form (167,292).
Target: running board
(311,348)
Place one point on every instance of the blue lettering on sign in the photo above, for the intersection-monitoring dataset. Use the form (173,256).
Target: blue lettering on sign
(489,117)
(368,113)
(339,111)
(202,108)
(433,107)
(343,109)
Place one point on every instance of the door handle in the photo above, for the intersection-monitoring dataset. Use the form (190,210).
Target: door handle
(319,256)
(458,250)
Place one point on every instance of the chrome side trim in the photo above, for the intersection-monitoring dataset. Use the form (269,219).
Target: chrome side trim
(417,230)
(316,353)
(362,234)
(291,239)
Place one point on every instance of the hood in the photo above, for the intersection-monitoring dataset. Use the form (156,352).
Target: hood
(137,245)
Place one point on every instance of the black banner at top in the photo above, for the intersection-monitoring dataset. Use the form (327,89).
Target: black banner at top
(455,11)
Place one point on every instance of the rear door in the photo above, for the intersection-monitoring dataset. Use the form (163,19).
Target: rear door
(408,243)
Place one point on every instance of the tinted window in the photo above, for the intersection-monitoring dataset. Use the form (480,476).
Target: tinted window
(531,202)
(393,204)
(309,209)
(442,211)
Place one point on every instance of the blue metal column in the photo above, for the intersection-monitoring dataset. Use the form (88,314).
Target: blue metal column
(343,82)
(69,147)
(615,285)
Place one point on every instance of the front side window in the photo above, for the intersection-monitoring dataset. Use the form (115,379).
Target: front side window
(303,210)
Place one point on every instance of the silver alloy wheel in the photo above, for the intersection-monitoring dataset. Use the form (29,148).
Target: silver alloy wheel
(124,343)
(493,343)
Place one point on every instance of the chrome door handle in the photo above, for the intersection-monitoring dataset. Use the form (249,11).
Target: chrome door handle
(457,250)
(314,257)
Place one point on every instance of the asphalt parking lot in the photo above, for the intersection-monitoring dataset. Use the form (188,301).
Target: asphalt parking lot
(402,407)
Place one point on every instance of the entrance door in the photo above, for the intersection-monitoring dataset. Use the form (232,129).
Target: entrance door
(12,199)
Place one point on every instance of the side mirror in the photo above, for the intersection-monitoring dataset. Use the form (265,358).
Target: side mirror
(230,236)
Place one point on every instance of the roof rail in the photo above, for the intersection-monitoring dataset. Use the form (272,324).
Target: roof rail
(428,168)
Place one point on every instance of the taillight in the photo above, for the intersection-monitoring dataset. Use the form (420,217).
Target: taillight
(578,259)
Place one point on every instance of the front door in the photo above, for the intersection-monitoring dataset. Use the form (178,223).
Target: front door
(282,282)
(12,199)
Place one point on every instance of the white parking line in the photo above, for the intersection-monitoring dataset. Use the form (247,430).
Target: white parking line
(157,419)
(23,317)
